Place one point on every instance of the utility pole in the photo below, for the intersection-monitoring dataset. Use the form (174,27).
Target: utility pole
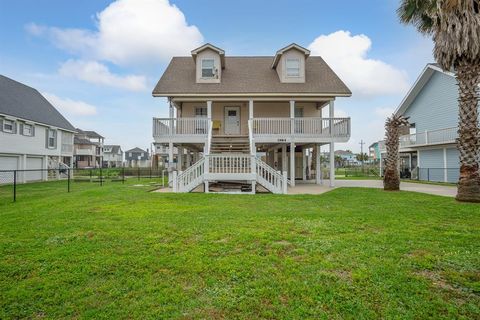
(361,152)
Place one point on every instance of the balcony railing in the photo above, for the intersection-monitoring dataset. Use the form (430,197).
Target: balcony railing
(301,127)
(180,126)
(440,136)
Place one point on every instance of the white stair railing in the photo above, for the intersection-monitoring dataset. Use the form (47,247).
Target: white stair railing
(273,180)
(190,178)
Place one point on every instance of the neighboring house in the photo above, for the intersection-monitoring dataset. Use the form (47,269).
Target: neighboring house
(33,134)
(88,149)
(428,151)
(374,152)
(161,153)
(232,112)
(112,156)
(137,158)
(348,158)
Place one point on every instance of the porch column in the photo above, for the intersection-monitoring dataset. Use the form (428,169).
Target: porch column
(189,159)
(331,114)
(292,164)
(318,168)
(304,164)
(180,158)
(250,109)
(284,158)
(170,161)
(292,116)
(275,158)
(209,109)
(332,164)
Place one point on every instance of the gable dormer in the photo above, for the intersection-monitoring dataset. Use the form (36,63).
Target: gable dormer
(289,62)
(209,62)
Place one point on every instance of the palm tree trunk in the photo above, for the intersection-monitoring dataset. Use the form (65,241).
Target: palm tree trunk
(468,78)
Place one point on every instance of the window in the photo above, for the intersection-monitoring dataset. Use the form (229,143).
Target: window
(8,125)
(293,67)
(200,112)
(51,138)
(207,68)
(27,130)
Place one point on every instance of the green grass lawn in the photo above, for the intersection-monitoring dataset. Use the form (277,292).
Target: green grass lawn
(119,252)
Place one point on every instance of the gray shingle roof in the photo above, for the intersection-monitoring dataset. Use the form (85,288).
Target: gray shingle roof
(78,140)
(244,75)
(136,149)
(115,148)
(21,101)
(89,133)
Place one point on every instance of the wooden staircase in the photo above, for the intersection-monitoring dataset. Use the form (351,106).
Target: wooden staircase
(230,144)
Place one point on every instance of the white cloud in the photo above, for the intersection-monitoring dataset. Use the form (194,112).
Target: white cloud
(384,112)
(347,55)
(71,107)
(129,32)
(98,73)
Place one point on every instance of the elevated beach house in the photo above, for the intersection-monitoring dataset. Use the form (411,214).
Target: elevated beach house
(253,122)
(429,151)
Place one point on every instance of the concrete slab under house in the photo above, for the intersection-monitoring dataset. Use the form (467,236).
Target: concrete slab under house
(245,124)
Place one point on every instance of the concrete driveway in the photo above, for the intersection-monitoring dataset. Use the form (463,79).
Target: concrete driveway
(447,191)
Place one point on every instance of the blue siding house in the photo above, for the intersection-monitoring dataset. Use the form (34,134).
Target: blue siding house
(429,149)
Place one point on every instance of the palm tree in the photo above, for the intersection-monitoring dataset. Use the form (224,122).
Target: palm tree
(455,28)
(391,178)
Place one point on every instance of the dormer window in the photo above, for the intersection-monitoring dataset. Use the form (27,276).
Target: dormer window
(293,67)
(208,66)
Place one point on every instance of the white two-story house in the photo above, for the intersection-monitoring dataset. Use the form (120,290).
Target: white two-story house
(257,122)
(112,156)
(429,151)
(33,134)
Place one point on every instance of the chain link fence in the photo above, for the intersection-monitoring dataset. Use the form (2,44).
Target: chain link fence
(12,180)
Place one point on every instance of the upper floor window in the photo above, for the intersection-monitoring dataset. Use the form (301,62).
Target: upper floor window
(293,67)
(208,68)
(51,138)
(8,125)
(27,130)
(200,112)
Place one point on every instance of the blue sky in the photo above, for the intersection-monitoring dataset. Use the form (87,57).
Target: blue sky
(99,67)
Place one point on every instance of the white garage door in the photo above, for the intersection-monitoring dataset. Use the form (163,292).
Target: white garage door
(7,163)
(34,163)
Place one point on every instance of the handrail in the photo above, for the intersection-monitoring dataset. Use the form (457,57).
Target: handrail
(190,178)
(303,127)
(180,126)
(229,163)
(270,178)
(437,136)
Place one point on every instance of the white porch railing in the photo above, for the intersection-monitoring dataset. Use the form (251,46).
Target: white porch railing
(269,178)
(190,178)
(229,163)
(302,127)
(180,126)
(440,136)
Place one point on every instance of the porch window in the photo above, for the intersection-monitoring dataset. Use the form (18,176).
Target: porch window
(207,68)
(293,67)
(200,112)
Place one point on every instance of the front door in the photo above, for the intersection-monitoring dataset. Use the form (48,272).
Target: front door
(232,120)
